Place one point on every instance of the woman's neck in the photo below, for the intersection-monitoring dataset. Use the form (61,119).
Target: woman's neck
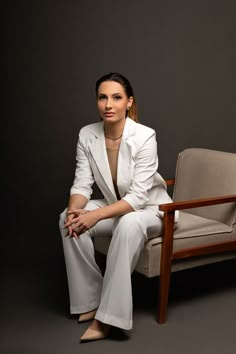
(114,130)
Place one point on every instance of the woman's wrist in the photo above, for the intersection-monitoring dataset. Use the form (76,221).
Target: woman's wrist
(98,214)
(77,201)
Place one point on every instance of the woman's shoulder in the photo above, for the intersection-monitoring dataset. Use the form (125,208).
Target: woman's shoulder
(145,128)
(140,129)
(93,128)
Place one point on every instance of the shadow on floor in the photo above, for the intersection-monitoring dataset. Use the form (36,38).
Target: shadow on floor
(185,285)
(45,286)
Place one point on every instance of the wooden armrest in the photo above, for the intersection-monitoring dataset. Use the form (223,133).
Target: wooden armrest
(170,182)
(188,204)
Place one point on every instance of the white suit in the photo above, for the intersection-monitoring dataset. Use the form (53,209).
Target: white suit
(143,188)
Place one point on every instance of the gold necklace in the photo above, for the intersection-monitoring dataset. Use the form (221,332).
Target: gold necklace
(108,137)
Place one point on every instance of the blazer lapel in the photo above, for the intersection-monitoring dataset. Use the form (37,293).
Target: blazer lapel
(125,158)
(98,150)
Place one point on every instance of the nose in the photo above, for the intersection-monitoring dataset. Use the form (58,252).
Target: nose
(108,103)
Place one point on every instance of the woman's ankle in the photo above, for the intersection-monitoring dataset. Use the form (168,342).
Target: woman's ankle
(98,325)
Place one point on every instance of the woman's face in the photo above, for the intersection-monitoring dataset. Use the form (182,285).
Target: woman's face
(112,101)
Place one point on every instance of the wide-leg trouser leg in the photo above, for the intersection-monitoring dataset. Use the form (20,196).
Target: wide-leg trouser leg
(83,274)
(128,237)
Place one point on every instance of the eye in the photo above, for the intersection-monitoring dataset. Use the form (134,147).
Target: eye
(101,97)
(117,97)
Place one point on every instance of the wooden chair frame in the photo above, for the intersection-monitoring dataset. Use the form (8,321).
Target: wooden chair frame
(167,254)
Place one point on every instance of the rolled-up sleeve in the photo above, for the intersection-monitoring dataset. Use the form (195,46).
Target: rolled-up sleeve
(146,164)
(83,180)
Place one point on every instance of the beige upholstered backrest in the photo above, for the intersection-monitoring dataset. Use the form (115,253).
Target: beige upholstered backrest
(202,173)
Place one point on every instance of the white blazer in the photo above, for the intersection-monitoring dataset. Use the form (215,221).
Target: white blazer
(137,179)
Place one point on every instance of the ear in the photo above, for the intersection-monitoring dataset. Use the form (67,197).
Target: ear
(130,101)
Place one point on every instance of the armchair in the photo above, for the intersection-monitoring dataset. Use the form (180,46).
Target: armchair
(205,196)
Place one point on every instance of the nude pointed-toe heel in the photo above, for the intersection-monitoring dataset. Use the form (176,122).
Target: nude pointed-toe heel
(84,317)
(92,335)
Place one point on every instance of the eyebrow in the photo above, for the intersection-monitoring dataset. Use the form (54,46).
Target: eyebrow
(114,94)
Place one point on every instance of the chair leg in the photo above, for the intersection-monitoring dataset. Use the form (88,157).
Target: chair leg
(163,293)
(165,270)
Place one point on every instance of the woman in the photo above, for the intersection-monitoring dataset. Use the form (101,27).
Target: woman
(120,155)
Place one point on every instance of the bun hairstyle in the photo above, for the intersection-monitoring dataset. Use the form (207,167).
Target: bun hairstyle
(124,82)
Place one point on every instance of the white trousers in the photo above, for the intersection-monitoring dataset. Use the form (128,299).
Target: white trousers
(111,295)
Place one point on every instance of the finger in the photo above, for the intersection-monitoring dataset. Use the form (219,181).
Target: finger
(69,215)
(78,229)
(67,222)
(74,211)
(69,212)
(82,231)
(74,235)
(71,222)
(70,230)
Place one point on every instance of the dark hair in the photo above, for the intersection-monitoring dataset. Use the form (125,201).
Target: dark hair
(127,87)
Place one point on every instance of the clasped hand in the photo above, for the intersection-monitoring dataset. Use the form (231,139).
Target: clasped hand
(80,220)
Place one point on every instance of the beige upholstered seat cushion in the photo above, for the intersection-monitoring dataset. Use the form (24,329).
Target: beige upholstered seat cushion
(191,225)
(192,231)
(149,261)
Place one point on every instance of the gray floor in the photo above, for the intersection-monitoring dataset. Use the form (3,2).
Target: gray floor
(201,315)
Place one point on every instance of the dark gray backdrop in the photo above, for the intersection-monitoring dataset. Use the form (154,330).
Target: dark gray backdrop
(180,57)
